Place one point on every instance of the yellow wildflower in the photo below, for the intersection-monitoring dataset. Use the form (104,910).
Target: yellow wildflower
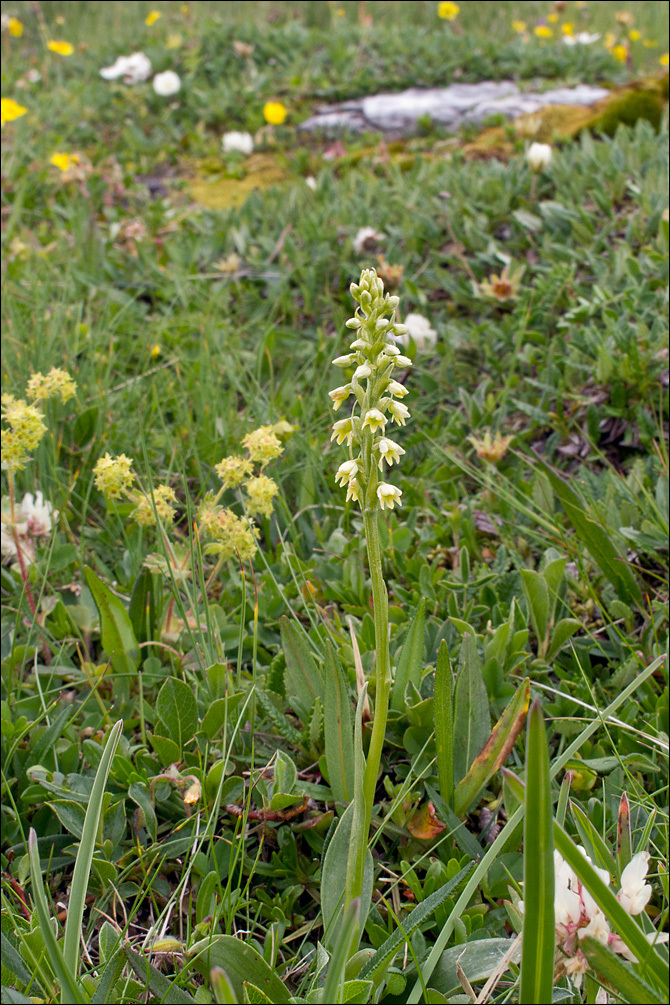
(448,11)
(10,110)
(491,449)
(519,27)
(55,382)
(664,59)
(62,48)
(274,113)
(155,351)
(543,31)
(164,497)
(552,18)
(635,35)
(262,445)
(152,17)
(15,27)
(504,287)
(63,161)
(260,493)
(233,470)
(113,475)
(620,52)
(568,28)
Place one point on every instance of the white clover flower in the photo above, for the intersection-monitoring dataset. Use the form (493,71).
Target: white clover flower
(539,157)
(346,472)
(397,389)
(339,394)
(367,239)
(37,514)
(374,419)
(418,329)
(399,412)
(597,928)
(389,451)
(134,69)
(237,142)
(635,894)
(581,38)
(388,495)
(167,83)
(343,430)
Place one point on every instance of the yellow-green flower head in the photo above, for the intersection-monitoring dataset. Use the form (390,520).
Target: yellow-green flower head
(14,457)
(233,470)
(164,497)
(340,394)
(346,472)
(113,475)
(388,495)
(260,493)
(263,445)
(232,536)
(343,430)
(389,451)
(26,422)
(374,419)
(56,382)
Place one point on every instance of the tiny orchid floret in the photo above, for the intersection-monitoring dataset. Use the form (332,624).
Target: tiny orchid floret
(373,356)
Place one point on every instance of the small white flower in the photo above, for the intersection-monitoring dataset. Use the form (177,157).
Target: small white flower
(635,894)
(33,76)
(389,451)
(339,394)
(367,239)
(539,157)
(352,490)
(237,142)
(597,928)
(581,38)
(399,412)
(346,472)
(402,361)
(362,371)
(418,329)
(359,343)
(134,69)
(310,182)
(345,361)
(575,968)
(167,83)
(37,514)
(391,350)
(397,389)
(388,495)
(343,430)
(374,419)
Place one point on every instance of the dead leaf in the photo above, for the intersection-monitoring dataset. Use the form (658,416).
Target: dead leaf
(425,824)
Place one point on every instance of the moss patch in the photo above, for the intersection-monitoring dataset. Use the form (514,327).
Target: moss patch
(221,192)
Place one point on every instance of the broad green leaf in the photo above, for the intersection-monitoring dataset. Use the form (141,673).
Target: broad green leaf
(347,932)
(539,938)
(167,750)
(105,993)
(334,876)
(12,997)
(443,711)
(138,792)
(495,752)
(375,969)
(620,921)
(472,719)
(254,995)
(338,729)
(553,573)
(222,988)
(410,661)
(12,960)
(537,596)
(303,678)
(477,959)
(611,969)
(71,815)
(218,711)
(595,538)
(241,962)
(177,709)
(116,630)
(164,989)
(564,630)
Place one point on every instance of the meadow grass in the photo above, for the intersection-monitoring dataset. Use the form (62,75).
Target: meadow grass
(531,543)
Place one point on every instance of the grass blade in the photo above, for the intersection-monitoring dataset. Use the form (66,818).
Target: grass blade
(348,932)
(611,968)
(539,941)
(444,723)
(82,867)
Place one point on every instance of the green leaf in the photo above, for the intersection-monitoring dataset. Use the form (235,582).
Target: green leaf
(537,595)
(177,709)
(13,997)
(495,751)
(338,729)
(118,637)
(465,840)
(105,992)
(592,840)
(478,960)
(138,792)
(217,713)
(334,876)
(612,970)
(443,711)
(71,815)
(539,938)
(620,921)
(375,969)
(160,986)
(84,426)
(241,962)
(254,995)
(222,988)
(70,990)
(564,630)
(594,537)
(142,607)
(472,719)
(303,678)
(12,960)
(167,750)
(410,661)
(347,932)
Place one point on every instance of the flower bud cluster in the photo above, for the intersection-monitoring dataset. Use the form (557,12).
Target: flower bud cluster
(26,422)
(374,357)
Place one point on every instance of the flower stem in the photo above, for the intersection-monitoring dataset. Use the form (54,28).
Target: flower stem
(17,540)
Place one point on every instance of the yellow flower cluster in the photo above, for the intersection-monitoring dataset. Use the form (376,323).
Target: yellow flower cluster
(263,445)
(233,470)
(56,382)
(26,429)
(10,110)
(231,535)
(488,449)
(448,11)
(260,493)
(15,27)
(163,498)
(113,475)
